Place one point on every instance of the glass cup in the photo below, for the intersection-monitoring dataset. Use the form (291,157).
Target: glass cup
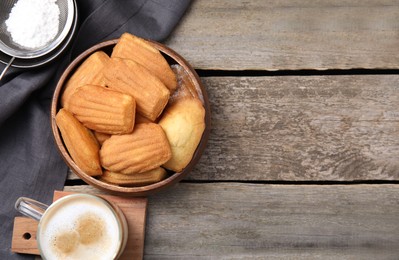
(77,226)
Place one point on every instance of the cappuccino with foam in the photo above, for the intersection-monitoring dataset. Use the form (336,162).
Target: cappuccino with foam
(81,227)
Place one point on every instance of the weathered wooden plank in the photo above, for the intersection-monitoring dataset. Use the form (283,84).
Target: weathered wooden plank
(302,128)
(289,34)
(293,128)
(254,221)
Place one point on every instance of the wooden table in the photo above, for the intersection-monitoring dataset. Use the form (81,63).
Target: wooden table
(303,156)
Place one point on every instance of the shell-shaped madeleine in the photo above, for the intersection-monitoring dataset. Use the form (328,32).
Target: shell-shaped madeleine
(141,51)
(131,78)
(89,72)
(184,124)
(80,143)
(103,110)
(145,149)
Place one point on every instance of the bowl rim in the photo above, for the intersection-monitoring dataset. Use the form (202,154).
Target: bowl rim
(120,190)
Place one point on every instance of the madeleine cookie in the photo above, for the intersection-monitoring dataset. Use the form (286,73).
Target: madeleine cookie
(183,123)
(141,51)
(103,110)
(137,179)
(80,143)
(89,72)
(131,78)
(145,149)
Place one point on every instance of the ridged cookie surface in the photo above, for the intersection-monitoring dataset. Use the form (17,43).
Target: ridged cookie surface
(145,149)
(80,143)
(103,110)
(141,51)
(183,123)
(133,79)
(137,179)
(89,72)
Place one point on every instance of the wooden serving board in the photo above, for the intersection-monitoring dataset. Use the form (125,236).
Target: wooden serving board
(135,209)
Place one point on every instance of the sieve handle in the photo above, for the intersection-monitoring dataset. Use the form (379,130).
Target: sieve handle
(6,68)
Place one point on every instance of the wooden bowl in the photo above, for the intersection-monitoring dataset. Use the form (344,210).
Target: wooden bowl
(173,58)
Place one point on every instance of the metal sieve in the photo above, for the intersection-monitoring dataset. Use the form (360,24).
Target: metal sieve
(7,46)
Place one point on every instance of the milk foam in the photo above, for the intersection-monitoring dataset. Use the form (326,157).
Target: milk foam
(62,226)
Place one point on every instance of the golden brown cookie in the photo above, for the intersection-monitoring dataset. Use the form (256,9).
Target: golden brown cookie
(80,143)
(131,78)
(103,110)
(136,179)
(89,72)
(183,123)
(145,149)
(141,51)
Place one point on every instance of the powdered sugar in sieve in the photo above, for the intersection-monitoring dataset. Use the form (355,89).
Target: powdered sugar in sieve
(33,23)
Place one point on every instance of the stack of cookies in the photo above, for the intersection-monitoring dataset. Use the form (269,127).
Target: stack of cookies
(130,119)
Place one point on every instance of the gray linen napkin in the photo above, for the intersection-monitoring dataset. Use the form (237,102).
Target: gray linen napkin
(30,165)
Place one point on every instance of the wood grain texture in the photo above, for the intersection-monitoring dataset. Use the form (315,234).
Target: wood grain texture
(336,128)
(289,34)
(294,128)
(257,221)
(24,236)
